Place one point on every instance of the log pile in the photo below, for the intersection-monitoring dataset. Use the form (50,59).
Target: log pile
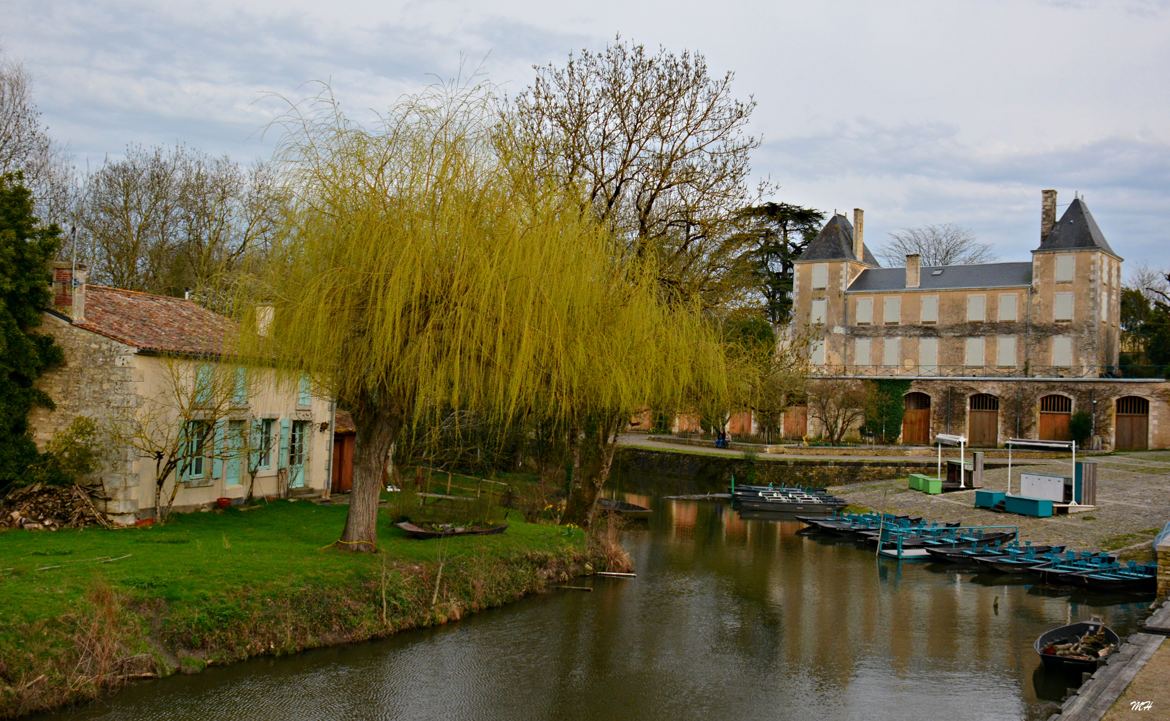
(42,507)
(1089,647)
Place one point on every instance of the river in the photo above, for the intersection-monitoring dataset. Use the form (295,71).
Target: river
(727,619)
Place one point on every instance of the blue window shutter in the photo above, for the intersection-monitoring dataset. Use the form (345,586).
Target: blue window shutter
(220,445)
(282,458)
(240,397)
(303,395)
(203,385)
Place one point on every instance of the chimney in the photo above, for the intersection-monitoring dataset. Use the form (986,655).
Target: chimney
(913,269)
(859,234)
(1047,212)
(69,289)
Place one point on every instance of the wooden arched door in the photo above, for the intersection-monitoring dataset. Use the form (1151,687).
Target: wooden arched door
(1055,412)
(983,420)
(1132,424)
(916,419)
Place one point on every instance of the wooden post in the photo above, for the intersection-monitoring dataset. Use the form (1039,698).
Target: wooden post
(448,483)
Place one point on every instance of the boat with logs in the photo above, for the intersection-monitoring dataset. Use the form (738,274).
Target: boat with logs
(1077,647)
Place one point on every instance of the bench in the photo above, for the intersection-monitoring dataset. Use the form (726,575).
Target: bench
(989,499)
(1028,506)
(926,484)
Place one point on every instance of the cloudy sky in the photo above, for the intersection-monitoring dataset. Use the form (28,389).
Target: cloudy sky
(919,111)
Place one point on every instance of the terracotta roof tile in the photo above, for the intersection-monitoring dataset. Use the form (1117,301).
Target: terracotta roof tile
(154,322)
(343,422)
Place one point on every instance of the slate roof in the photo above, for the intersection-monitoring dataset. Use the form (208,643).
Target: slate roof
(1076,229)
(154,323)
(987,275)
(835,242)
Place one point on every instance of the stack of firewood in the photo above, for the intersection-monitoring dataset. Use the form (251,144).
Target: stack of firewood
(42,507)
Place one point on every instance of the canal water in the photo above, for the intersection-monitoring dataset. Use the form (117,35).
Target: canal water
(727,619)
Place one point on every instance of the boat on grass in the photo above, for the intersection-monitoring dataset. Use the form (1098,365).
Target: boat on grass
(444,530)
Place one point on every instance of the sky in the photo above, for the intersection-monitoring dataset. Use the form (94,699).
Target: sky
(917,111)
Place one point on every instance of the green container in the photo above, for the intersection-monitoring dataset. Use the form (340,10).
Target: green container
(933,486)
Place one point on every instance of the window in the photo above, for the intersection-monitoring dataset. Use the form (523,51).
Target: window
(928,356)
(193,451)
(892,311)
(1062,306)
(262,443)
(976,307)
(864,311)
(1065,268)
(818,352)
(1005,351)
(892,352)
(861,351)
(818,312)
(820,276)
(973,355)
(1007,306)
(930,309)
(1104,306)
(1062,351)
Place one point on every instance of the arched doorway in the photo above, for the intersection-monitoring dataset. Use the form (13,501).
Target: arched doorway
(795,423)
(983,420)
(1055,412)
(1132,425)
(916,419)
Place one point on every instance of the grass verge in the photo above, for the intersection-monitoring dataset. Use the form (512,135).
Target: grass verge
(85,610)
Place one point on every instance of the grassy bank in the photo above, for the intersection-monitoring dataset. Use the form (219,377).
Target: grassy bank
(87,609)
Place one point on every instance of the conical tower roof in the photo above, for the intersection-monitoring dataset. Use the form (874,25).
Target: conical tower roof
(1075,230)
(835,242)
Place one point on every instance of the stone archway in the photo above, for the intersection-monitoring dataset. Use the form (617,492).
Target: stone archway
(1055,414)
(1131,430)
(983,420)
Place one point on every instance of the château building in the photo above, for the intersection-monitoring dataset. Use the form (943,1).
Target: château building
(992,351)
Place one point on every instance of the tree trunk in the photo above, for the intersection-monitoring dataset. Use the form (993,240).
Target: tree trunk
(376,432)
(593,453)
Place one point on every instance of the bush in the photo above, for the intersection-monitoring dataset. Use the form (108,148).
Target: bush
(71,454)
(1080,426)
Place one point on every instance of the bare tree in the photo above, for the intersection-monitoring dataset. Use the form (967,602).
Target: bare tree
(25,145)
(938,245)
(1154,285)
(167,220)
(181,429)
(660,148)
(837,405)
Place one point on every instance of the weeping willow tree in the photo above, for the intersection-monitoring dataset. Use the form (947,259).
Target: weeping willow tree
(424,268)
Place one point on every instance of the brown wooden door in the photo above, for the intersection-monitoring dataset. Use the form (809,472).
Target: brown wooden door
(342,481)
(795,422)
(916,419)
(1132,424)
(983,420)
(740,424)
(1055,412)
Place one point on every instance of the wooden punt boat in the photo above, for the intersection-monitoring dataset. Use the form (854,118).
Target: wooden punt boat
(623,508)
(424,533)
(1078,646)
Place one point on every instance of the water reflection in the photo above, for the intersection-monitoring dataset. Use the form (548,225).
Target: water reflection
(728,618)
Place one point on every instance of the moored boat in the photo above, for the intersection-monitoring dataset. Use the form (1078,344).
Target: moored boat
(623,508)
(446,529)
(1078,646)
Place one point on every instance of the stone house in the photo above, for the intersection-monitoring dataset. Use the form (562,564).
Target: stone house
(992,351)
(132,358)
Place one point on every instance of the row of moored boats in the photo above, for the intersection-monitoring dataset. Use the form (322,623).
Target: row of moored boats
(994,548)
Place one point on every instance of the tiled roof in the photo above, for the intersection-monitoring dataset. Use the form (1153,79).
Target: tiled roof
(835,242)
(155,323)
(1076,229)
(986,275)
(343,422)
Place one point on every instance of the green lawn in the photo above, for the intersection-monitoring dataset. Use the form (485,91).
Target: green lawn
(222,585)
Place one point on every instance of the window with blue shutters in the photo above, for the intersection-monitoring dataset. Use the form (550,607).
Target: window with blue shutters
(282,456)
(193,453)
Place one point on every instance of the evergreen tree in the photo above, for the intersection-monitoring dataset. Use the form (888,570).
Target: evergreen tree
(26,247)
(781,232)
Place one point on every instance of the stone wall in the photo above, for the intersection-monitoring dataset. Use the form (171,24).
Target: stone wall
(98,379)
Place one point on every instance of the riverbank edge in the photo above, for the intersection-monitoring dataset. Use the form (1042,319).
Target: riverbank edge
(111,641)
